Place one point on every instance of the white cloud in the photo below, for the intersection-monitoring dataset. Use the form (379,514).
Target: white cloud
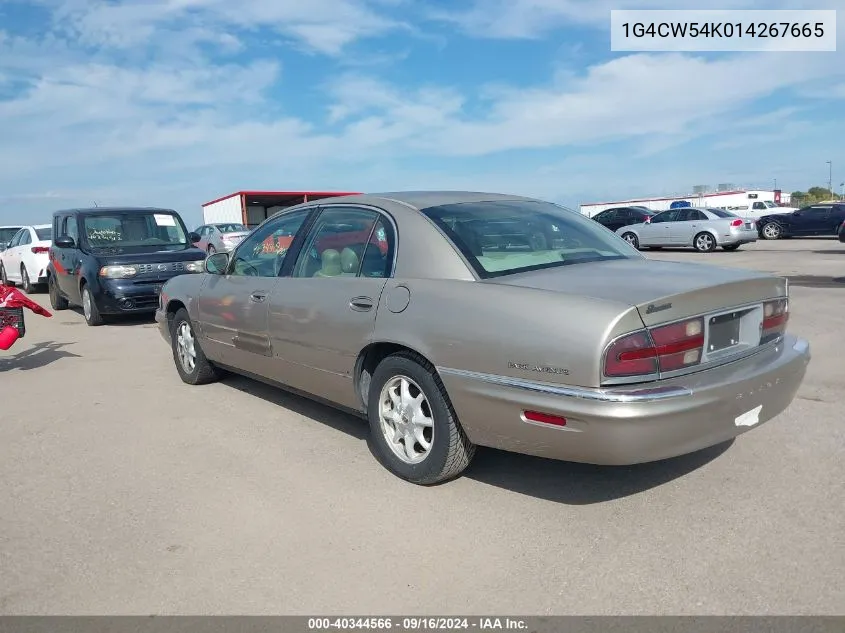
(151,128)
(324,26)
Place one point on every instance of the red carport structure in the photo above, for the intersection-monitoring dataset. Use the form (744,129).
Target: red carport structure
(251,208)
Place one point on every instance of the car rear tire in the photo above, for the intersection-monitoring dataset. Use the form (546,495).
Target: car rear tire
(732,247)
(26,283)
(191,363)
(4,280)
(704,242)
(89,308)
(57,301)
(408,408)
(632,239)
(771,231)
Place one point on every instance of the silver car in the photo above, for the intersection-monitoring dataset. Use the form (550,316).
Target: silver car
(222,237)
(703,229)
(451,320)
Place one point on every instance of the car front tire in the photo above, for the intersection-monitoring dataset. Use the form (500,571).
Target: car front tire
(414,430)
(771,231)
(191,363)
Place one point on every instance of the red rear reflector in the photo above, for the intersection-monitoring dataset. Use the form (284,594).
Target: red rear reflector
(40,249)
(544,418)
(736,223)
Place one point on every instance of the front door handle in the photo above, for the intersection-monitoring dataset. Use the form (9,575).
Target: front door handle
(361,304)
(258,297)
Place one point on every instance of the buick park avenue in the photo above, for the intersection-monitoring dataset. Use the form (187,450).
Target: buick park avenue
(453,320)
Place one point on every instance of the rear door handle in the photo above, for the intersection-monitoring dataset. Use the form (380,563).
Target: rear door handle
(258,297)
(361,304)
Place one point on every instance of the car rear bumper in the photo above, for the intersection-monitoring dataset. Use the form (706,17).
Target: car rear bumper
(738,237)
(637,425)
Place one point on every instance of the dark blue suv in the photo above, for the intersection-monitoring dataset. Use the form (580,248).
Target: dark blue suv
(113,261)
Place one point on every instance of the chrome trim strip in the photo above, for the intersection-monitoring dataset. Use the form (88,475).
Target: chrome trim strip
(647,394)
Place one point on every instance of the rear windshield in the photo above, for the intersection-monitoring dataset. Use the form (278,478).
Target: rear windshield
(506,237)
(45,234)
(7,233)
(722,214)
(134,229)
(230,228)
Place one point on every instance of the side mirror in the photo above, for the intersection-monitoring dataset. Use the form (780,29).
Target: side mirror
(194,237)
(216,264)
(64,242)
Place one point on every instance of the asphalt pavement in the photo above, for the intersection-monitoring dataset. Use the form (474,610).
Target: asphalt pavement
(124,491)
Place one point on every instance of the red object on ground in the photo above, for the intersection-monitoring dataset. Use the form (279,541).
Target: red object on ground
(13,298)
(8,336)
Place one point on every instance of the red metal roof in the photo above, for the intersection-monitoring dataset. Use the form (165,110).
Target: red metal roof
(692,195)
(283,193)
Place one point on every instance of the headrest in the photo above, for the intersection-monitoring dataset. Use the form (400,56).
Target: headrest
(331,263)
(349,261)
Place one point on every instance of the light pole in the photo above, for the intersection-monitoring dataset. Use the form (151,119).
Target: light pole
(830,176)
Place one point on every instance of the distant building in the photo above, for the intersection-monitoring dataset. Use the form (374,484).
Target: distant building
(736,200)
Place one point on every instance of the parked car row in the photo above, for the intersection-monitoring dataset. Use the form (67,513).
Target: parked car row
(453,320)
(706,229)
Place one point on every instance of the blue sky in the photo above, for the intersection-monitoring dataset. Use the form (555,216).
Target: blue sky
(176,102)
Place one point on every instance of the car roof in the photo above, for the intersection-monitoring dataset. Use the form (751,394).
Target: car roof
(94,210)
(421,200)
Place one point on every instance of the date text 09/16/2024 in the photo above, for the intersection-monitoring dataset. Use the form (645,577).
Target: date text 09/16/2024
(416,623)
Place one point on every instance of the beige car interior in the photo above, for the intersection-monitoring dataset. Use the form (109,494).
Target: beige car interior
(338,264)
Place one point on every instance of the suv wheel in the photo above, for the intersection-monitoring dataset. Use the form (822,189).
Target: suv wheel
(57,301)
(89,308)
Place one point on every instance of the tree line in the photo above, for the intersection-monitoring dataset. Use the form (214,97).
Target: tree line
(813,195)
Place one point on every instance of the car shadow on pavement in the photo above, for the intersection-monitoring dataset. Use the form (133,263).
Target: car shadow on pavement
(39,355)
(321,413)
(581,484)
(121,320)
(561,482)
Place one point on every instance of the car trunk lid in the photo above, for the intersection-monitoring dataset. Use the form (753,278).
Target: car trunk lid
(662,292)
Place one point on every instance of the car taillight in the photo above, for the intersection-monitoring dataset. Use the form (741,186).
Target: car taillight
(736,223)
(40,249)
(775,318)
(661,349)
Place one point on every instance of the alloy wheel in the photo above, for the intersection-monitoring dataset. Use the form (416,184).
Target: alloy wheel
(406,419)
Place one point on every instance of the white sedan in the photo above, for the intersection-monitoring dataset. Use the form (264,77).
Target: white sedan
(24,261)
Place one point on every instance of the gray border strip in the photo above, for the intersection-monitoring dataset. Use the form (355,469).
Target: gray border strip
(522,624)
